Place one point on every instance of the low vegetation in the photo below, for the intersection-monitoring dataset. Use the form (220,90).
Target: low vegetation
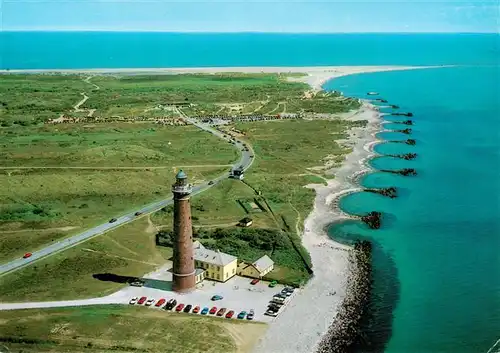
(32,99)
(113,328)
(58,181)
(94,268)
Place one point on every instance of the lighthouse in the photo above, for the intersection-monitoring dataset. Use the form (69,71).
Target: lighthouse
(183,268)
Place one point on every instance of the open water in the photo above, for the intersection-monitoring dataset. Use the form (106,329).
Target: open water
(437,260)
(437,265)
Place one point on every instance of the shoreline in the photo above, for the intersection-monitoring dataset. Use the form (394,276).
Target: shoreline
(309,316)
(315,76)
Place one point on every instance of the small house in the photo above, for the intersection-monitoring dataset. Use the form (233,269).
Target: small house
(257,269)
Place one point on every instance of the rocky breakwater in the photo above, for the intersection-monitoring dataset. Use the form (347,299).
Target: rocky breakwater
(403,172)
(345,333)
(372,219)
(406,156)
(389,192)
(410,142)
(404,131)
(409,114)
(406,122)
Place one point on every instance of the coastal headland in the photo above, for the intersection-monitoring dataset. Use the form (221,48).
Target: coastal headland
(280,174)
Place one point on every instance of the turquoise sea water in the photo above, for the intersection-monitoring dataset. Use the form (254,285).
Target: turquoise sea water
(437,263)
(436,258)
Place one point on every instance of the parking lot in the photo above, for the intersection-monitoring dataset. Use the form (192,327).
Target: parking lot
(238,294)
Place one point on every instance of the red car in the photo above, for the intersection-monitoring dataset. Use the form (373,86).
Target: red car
(229,314)
(213,310)
(221,311)
(160,302)
(142,300)
(28,254)
(196,310)
(179,307)
(254,281)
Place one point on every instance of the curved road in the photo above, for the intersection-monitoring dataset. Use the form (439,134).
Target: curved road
(64,244)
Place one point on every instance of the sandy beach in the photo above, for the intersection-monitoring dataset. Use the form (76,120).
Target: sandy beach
(315,76)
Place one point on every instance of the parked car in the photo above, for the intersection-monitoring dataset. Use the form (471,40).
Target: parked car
(204,311)
(242,315)
(171,304)
(112,220)
(211,182)
(160,302)
(250,315)
(221,311)
(150,302)
(229,314)
(213,310)
(188,308)
(273,284)
(28,254)
(133,301)
(142,300)
(138,213)
(196,310)
(254,281)
(179,307)
(271,313)
(251,156)
(217,297)
(137,283)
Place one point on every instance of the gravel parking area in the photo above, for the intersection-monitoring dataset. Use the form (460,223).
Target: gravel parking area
(238,294)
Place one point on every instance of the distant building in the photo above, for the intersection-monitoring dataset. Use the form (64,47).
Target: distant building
(217,265)
(257,269)
(245,222)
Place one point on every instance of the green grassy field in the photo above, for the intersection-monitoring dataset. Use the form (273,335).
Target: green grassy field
(31,99)
(126,251)
(49,96)
(113,328)
(95,173)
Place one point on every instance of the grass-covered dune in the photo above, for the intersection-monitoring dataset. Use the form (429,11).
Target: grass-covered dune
(31,99)
(60,180)
(113,328)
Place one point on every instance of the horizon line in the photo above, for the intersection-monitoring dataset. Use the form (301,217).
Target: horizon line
(237,32)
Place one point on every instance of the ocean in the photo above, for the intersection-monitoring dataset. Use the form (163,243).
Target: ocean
(436,262)
(436,269)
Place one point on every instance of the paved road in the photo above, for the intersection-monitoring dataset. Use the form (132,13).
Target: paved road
(64,244)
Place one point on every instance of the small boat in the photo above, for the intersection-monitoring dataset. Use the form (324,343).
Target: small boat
(372,93)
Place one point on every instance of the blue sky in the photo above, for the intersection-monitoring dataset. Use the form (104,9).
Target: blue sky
(251,15)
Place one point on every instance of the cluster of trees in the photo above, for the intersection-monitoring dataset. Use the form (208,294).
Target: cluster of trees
(26,213)
(237,238)
(233,240)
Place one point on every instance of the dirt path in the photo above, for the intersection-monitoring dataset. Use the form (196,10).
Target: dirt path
(87,80)
(152,228)
(275,108)
(76,108)
(121,257)
(122,246)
